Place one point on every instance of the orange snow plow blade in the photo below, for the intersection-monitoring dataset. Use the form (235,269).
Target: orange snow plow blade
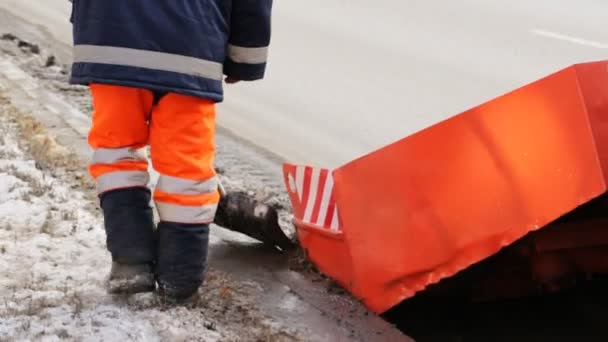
(434,203)
(317,220)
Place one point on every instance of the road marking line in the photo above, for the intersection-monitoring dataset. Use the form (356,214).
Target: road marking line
(570,39)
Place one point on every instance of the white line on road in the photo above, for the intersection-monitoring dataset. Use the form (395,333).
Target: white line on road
(570,39)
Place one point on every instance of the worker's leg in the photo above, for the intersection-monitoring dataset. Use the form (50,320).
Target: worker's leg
(120,128)
(186,196)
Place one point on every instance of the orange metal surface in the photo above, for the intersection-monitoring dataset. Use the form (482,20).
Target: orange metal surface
(436,202)
(329,252)
(593,85)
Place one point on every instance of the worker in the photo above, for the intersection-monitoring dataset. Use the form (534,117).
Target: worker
(155,70)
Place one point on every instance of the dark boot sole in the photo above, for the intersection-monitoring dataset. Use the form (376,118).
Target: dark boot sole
(130,279)
(129,290)
(178,301)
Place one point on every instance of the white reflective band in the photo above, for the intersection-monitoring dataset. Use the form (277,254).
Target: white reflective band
(113,155)
(328,190)
(300,173)
(247,55)
(312,194)
(335,221)
(181,186)
(186,214)
(121,179)
(148,60)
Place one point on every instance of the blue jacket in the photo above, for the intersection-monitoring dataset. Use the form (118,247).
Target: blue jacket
(182,46)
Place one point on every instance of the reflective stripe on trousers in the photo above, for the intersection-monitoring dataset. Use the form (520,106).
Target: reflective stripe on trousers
(119,168)
(178,198)
(180,131)
(121,180)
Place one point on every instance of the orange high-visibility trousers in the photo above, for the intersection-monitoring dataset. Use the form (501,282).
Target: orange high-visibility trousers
(180,131)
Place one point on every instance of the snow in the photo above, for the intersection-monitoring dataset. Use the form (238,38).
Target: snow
(53,268)
(53,260)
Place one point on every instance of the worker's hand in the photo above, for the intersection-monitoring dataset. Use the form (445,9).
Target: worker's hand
(231,80)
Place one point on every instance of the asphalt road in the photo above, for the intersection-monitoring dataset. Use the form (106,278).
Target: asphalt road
(349,76)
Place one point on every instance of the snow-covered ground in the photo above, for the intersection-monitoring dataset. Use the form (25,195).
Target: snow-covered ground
(53,260)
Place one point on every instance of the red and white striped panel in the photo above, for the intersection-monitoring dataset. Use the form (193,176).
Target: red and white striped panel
(313,196)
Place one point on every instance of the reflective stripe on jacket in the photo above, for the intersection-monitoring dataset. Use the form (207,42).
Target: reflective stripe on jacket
(181,46)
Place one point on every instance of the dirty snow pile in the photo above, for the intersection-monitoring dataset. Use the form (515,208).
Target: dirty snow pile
(53,266)
(52,259)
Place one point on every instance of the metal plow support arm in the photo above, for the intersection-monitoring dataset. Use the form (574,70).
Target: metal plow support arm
(457,192)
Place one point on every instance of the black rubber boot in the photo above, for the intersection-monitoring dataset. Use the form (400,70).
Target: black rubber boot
(182,260)
(129,224)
